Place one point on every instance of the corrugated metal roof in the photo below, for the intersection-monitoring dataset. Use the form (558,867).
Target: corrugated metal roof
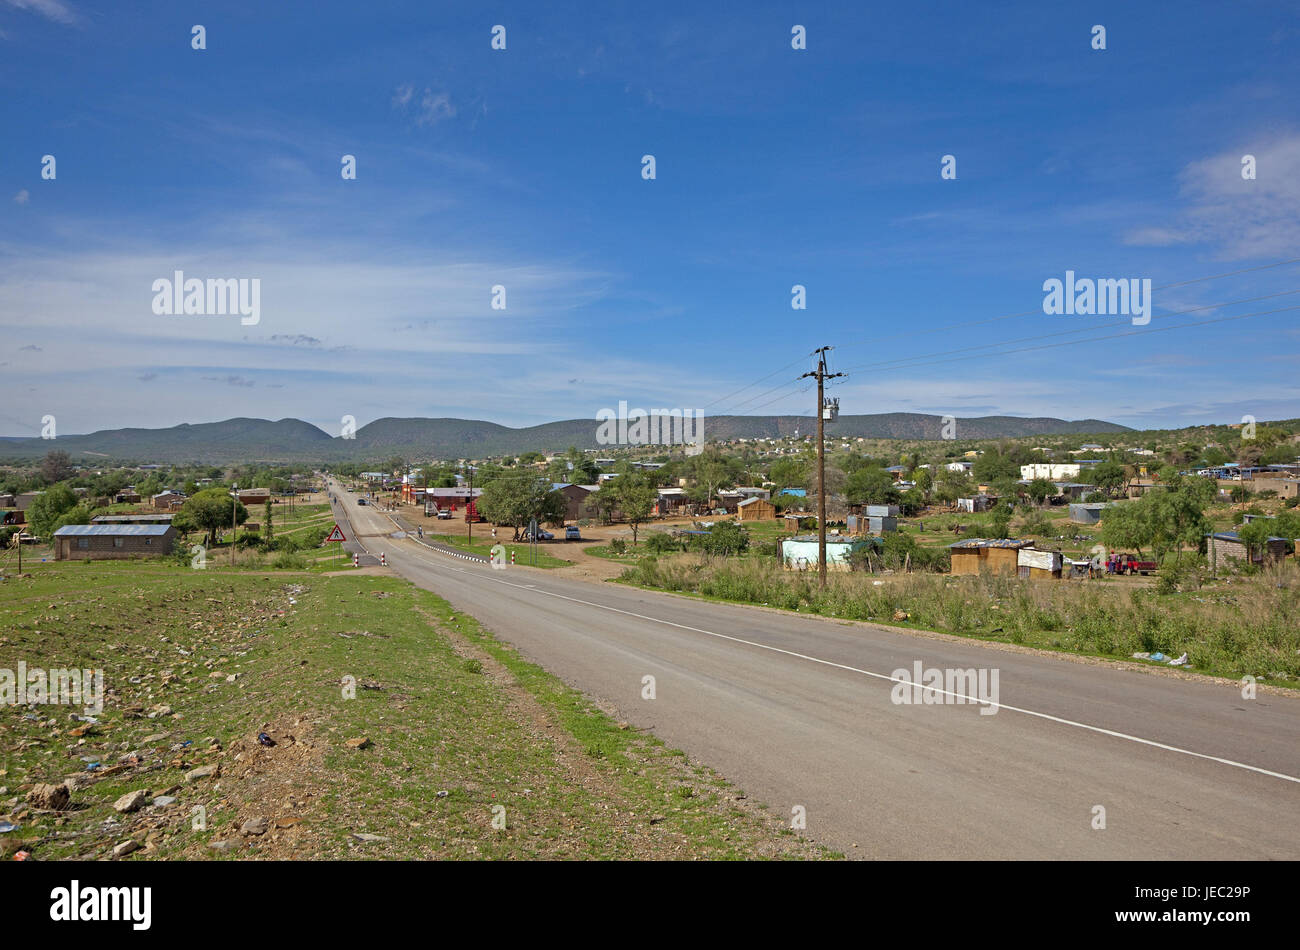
(990,543)
(114,530)
(129,519)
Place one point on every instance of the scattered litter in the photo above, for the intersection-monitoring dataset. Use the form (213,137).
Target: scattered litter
(22,855)
(1141,656)
(264,739)
(8,826)
(1158,657)
(1181,661)
(362,836)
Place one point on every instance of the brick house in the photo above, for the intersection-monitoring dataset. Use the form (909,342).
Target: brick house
(1223,547)
(93,542)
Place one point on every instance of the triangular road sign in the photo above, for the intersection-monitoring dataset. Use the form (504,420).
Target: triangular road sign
(336,535)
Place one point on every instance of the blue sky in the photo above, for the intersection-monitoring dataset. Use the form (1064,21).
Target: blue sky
(522,168)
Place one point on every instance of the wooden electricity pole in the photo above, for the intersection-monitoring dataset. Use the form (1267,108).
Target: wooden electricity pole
(822,376)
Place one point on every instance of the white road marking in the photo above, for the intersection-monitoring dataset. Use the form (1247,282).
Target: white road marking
(853,669)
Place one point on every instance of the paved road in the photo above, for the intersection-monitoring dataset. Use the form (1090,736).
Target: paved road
(798,712)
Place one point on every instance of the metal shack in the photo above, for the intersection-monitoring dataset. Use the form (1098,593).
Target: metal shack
(997,555)
(1086,512)
(800,553)
(81,542)
(873,519)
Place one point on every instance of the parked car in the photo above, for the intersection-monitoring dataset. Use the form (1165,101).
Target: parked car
(571,533)
(362,501)
(444,514)
(542,535)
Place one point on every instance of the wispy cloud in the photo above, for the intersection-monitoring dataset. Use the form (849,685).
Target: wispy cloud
(22,197)
(55,10)
(1243,218)
(431,107)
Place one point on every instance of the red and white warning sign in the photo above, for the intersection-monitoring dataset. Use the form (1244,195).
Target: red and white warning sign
(336,535)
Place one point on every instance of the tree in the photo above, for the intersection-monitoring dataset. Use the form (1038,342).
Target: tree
(636,496)
(789,473)
(48,507)
(56,466)
(723,540)
(1127,526)
(210,510)
(1111,477)
(711,472)
(871,486)
(1041,489)
(517,498)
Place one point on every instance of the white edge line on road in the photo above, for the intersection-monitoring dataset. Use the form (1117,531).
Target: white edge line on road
(853,669)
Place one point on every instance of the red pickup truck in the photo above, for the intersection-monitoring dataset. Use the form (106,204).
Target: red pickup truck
(1128,564)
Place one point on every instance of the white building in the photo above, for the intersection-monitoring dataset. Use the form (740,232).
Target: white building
(1053,471)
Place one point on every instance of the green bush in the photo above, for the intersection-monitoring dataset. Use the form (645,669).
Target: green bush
(660,542)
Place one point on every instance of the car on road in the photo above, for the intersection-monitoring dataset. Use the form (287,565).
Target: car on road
(571,533)
(362,501)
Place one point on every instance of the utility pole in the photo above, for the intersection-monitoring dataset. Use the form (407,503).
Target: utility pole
(822,376)
(469,519)
(234,514)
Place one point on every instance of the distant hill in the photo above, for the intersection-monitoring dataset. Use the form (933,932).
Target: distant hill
(208,442)
(292,440)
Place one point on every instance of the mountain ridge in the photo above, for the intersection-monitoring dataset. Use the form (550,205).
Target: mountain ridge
(244,439)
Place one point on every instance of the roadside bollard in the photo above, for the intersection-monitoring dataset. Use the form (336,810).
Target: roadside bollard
(356,559)
(512,557)
(383,561)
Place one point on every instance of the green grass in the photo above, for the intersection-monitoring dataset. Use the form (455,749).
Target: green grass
(451,713)
(1228,627)
(521,551)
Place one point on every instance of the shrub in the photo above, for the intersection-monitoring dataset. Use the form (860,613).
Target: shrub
(660,542)
(286,560)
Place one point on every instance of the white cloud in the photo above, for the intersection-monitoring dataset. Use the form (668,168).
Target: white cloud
(22,197)
(55,10)
(1242,218)
(432,107)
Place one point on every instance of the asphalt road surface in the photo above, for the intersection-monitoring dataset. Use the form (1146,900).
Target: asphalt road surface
(798,712)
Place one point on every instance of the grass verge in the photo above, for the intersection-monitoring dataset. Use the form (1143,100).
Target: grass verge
(401,729)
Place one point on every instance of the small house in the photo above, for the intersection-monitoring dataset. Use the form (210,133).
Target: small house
(800,553)
(1225,547)
(756,509)
(997,555)
(1087,512)
(93,542)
